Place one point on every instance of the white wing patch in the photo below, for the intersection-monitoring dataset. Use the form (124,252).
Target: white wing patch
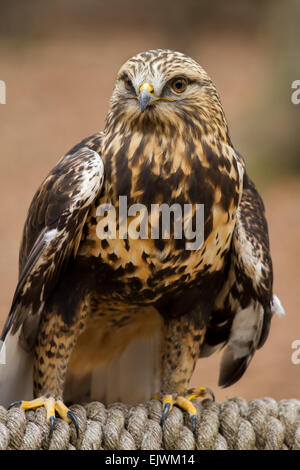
(246,330)
(276,307)
(91,178)
(250,254)
(244,338)
(50,235)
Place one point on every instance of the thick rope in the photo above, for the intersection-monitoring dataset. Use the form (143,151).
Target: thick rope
(235,424)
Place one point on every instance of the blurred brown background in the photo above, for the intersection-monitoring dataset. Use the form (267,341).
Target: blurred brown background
(59,60)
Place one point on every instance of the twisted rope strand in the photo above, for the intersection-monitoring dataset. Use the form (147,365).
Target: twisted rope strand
(235,424)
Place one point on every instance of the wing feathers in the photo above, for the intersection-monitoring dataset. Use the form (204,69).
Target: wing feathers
(246,303)
(244,338)
(53,230)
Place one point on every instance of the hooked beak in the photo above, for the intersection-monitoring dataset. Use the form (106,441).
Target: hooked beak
(146,95)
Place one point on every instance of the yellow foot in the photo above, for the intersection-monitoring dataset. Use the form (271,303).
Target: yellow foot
(51,405)
(183,401)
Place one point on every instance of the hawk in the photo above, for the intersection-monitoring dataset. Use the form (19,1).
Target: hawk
(82,298)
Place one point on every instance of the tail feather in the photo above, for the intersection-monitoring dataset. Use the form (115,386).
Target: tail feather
(131,377)
(244,339)
(16,371)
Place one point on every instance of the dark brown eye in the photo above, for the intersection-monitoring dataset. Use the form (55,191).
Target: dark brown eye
(179,85)
(128,84)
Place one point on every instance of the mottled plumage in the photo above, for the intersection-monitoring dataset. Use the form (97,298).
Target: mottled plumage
(80,300)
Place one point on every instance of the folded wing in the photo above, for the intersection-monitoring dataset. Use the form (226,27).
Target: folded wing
(51,236)
(244,308)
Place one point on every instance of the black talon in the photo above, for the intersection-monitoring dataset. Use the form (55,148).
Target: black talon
(52,420)
(165,412)
(74,420)
(211,393)
(14,403)
(194,422)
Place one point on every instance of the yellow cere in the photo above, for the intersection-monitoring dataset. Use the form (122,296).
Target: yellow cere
(147,86)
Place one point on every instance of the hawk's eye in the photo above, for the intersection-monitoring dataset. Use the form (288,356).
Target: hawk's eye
(128,84)
(179,85)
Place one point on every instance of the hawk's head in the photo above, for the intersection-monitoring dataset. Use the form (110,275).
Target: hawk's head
(164,87)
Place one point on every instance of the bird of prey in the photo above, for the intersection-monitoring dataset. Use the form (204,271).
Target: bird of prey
(82,298)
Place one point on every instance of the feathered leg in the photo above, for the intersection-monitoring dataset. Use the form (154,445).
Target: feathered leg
(55,342)
(181,343)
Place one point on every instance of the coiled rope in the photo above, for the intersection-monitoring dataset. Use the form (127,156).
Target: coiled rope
(234,424)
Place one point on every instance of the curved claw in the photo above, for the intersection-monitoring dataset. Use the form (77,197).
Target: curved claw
(165,412)
(15,403)
(211,393)
(185,402)
(52,422)
(74,420)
